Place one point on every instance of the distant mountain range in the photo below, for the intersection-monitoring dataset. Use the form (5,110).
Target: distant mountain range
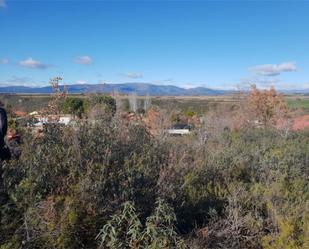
(129,88)
(124,88)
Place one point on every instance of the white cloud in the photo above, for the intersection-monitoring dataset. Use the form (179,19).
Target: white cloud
(2,3)
(132,75)
(261,82)
(169,81)
(189,85)
(234,87)
(84,60)
(107,82)
(31,63)
(21,81)
(274,69)
(81,82)
(293,86)
(4,61)
(267,83)
(305,86)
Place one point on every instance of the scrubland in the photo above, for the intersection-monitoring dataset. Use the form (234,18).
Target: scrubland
(232,183)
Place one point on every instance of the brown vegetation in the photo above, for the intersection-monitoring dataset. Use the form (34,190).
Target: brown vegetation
(110,183)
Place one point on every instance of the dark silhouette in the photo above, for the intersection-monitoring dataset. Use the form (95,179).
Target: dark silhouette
(4,150)
(4,153)
(3,125)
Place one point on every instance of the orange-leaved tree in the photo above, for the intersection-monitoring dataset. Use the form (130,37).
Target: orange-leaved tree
(266,106)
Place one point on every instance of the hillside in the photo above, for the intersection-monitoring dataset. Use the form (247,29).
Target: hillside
(125,88)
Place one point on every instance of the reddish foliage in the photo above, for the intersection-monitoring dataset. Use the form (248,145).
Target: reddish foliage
(301,123)
(266,106)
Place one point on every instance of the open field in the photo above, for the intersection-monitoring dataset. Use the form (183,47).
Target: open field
(199,104)
(299,103)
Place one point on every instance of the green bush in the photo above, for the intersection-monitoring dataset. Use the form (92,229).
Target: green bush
(240,189)
(75,106)
(125,230)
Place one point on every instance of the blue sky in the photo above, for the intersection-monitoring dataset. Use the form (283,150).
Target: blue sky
(218,44)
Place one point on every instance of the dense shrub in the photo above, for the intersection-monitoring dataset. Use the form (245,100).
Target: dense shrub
(74,105)
(241,189)
(101,105)
(125,230)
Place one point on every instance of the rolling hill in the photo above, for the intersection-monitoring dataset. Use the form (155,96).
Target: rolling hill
(124,88)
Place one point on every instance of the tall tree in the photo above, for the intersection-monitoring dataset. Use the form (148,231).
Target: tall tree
(266,106)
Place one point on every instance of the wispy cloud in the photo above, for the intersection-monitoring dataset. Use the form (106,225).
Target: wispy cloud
(81,82)
(261,82)
(21,81)
(34,64)
(305,85)
(274,69)
(266,83)
(4,61)
(169,81)
(190,85)
(132,75)
(2,4)
(84,60)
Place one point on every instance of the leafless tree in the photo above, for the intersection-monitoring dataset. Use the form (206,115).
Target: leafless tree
(133,102)
(147,102)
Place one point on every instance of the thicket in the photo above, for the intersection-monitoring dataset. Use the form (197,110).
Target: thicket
(111,184)
(94,105)
(104,185)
